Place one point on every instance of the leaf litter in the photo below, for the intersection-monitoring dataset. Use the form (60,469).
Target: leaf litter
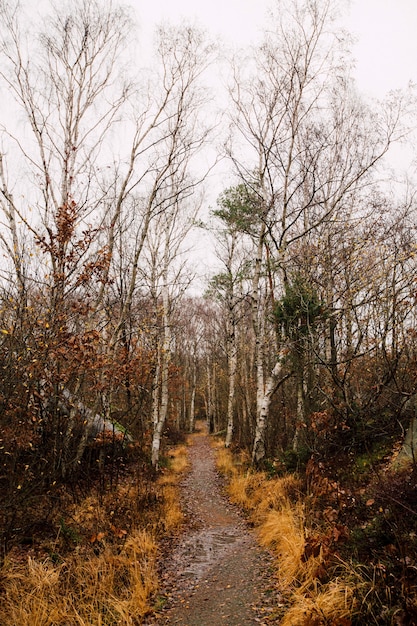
(215,573)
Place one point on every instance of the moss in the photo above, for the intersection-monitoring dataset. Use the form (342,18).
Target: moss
(70,535)
(295,460)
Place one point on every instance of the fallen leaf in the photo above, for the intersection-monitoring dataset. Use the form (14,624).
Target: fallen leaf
(97,537)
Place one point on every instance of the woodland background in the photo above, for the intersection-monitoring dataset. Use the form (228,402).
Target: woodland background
(302,349)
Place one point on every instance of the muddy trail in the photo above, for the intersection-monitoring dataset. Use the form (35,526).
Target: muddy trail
(215,574)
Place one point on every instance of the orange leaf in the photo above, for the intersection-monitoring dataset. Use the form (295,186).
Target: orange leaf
(119,532)
(97,537)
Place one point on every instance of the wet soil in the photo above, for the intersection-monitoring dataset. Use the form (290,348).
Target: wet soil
(215,574)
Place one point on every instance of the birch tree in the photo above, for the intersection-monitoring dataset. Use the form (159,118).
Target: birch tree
(103,157)
(170,282)
(64,79)
(231,285)
(309,144)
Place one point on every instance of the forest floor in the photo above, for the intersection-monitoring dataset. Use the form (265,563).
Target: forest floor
(214,573)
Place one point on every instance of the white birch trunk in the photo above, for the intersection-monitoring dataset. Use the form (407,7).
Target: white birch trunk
(156,389)
(257,327)
(209,401)
(192,400)
(258,444)
(232,369)
(272,384)
(165,362)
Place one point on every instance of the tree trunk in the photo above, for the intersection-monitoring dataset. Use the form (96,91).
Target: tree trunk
(209,398)
(232,370)
(192,400)
(156,388)
(272,384)
(165,362)
(257,325)
(299,419)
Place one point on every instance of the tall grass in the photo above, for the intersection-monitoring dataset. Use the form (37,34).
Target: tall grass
(102,567)
(276,508)
(172,515)
(109,588)
(329,604)
(224,459)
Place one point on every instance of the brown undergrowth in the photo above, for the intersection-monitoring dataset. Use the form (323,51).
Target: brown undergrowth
(101,566)
(345,541)
(277,508)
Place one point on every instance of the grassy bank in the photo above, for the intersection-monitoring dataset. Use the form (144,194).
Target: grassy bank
(100,568)
(343,556)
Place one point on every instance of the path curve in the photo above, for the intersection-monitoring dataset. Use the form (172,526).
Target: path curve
(217,575)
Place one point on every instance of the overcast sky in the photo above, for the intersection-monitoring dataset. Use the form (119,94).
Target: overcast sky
(386,50)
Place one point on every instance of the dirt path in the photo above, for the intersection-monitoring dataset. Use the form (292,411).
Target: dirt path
(216,574)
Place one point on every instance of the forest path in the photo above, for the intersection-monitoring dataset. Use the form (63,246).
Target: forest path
(216,575)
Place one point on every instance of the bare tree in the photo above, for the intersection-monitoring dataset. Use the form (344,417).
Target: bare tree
(309,145)
(103,160)
(231,286)
(65,82)
(184,54)
(170,278)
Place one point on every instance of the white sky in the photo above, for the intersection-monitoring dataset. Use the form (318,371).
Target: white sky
(386,30)
(386,50)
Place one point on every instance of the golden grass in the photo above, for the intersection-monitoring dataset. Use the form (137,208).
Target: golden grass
(110,588)
(330,604)
(177,464)
(276,493)
(254,492)
(280,524)
(171,514)
(116,583)
(283,532)
(224,460)
(179,460)
(238,490)
(276,508)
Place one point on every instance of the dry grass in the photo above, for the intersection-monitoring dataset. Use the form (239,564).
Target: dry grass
(331,604)
(276,509)
(172,515)
(282,531)
(177,465)
(254,492)
(276,493)
(224,460)
(240,490)
(102,568)
(110,588)
(179,460)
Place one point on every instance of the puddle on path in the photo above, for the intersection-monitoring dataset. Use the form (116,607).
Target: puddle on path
(201,550)
(216,574)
